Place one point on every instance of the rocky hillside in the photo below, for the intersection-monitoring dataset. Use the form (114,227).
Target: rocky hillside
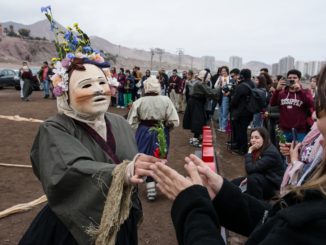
(14,50)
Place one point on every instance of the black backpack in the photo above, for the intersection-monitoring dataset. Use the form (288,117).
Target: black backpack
(257,99)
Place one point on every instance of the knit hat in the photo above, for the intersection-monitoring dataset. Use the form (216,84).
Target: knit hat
(152,85)
(202,74)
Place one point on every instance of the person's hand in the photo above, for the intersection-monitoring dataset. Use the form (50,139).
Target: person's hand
(294,152)
(226,94)
(142,167)
(285,149)
(254,147)
(296,87)
(212,181)
(170,182)
(281,84)
(272,89)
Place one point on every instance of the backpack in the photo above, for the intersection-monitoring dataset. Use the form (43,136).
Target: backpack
(257,99)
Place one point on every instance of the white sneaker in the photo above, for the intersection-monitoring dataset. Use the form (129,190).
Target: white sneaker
(192,140)
(151,191)
(122,107)
(118,106)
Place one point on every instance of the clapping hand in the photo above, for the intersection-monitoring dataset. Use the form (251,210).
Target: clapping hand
(212,181)
(170,182)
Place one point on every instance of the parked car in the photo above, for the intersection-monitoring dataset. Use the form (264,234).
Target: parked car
(9,78)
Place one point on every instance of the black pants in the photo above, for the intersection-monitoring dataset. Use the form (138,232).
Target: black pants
(240,127)
(258,186)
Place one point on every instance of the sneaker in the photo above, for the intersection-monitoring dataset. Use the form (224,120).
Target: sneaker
(122,107)
(192,140)
(46,96)
(221,130)
(118,106)
(151,191)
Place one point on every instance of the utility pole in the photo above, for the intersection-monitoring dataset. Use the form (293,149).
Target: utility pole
(152,55)
(160,53)
(180,53)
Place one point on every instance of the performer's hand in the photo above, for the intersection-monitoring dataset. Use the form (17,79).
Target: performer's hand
(142,168)
(211,180)
(170,182)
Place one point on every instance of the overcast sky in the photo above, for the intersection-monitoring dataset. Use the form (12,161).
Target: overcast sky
(263,30)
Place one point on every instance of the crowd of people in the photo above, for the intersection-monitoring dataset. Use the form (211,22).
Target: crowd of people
(90,161)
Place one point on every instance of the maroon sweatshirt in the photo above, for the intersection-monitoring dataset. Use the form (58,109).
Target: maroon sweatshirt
(294,108)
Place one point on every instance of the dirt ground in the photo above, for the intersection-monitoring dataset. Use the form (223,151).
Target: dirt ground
(19,185)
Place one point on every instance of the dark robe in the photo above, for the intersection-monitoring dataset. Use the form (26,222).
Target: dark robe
(195,116)
(75,169)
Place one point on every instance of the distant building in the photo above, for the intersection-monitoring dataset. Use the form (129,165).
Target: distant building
(1,31)
(235,62)
(301,66)
(209,62)
(313,68)
(275,69)
(285,64)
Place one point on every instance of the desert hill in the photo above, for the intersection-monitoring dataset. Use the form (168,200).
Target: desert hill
(14,50)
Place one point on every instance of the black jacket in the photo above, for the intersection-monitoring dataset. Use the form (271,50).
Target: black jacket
(290,221)
(239,100)
(269,164)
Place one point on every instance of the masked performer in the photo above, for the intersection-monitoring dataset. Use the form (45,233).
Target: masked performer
(146,113)
(80,156)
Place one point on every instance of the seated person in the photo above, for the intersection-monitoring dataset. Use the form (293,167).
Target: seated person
(302,159)
(263,166)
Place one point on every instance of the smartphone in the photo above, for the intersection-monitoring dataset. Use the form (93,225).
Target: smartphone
(294,136)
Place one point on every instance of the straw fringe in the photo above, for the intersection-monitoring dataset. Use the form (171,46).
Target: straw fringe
(116,209)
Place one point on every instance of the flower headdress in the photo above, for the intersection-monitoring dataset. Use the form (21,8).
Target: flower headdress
(70,44)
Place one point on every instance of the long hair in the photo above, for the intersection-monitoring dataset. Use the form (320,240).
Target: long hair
(317,181)
(266,139)
(261,82)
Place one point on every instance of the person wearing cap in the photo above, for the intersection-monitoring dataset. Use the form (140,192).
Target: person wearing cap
(147,112)
(195,116)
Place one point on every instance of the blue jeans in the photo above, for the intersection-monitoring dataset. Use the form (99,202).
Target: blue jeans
(289,138)
(46,87)
(257,120)
(121,99)
(223,113)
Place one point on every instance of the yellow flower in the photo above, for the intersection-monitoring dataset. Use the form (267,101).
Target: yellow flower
(76,25)
(69,28)
(55,59)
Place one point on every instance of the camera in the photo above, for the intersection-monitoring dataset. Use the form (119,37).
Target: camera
(227,88)
(289,83)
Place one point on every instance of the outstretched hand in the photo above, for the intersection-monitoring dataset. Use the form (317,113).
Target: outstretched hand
(170,182)
(142,167)
(212,181)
